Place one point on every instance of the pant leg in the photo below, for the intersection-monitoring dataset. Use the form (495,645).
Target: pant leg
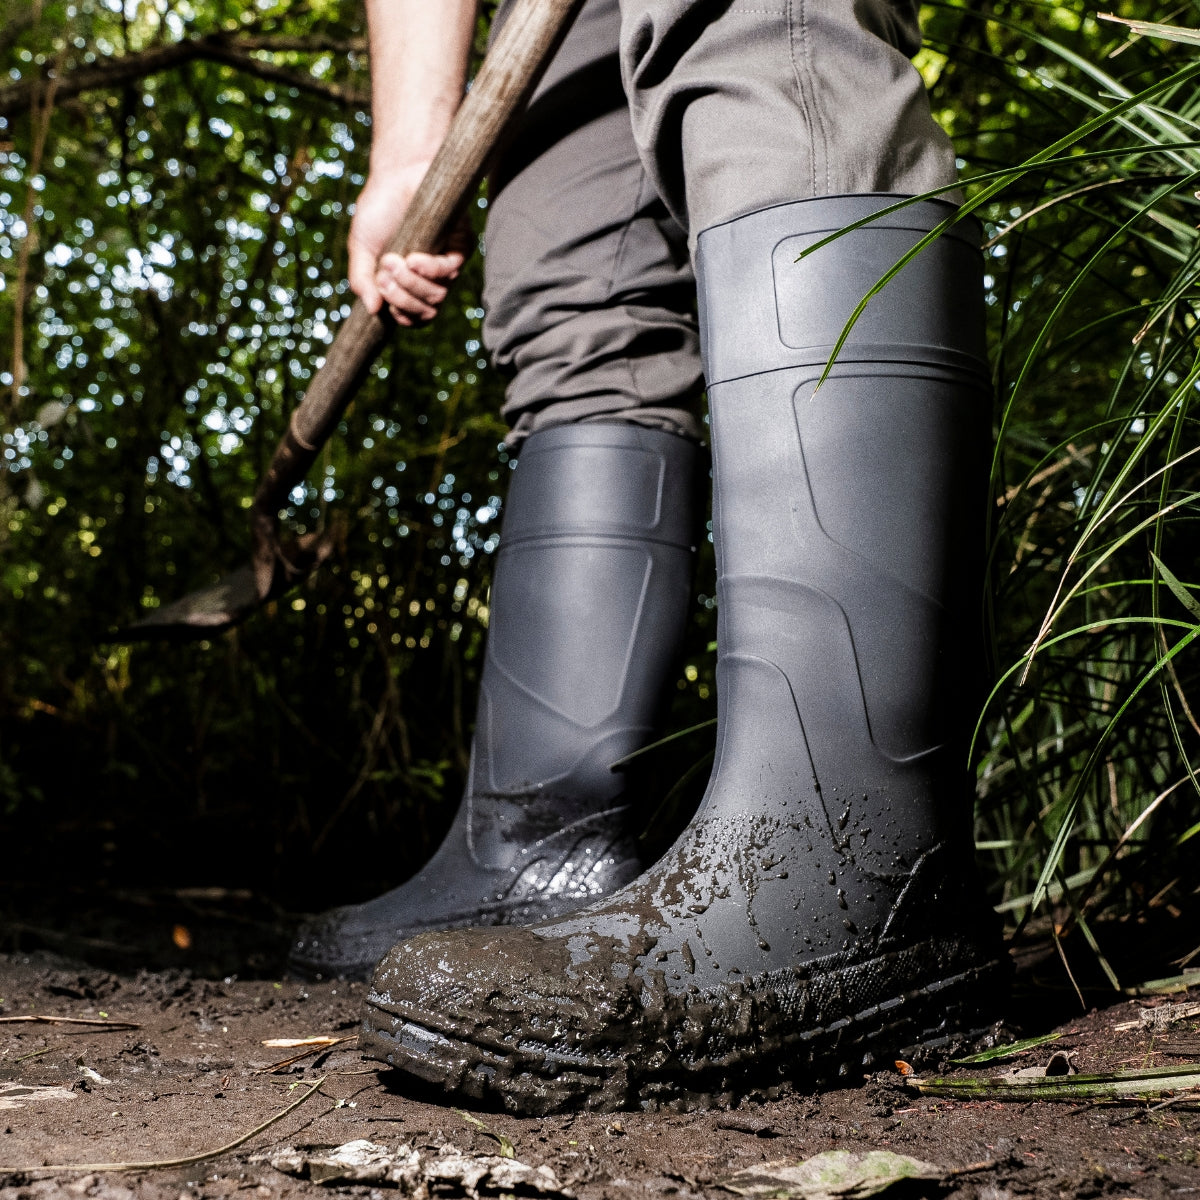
(738,106)
(589,294)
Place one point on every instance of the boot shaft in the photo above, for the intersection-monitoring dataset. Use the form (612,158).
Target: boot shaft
(849,519)
(588,607)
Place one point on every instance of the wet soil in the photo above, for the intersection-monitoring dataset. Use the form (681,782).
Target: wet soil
(191,1077)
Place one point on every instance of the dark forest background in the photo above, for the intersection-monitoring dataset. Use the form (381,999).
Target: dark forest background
(176,178)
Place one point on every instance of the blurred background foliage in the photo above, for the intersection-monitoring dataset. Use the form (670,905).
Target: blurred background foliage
(176,178)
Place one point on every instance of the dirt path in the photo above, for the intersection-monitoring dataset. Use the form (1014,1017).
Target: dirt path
(189,1079)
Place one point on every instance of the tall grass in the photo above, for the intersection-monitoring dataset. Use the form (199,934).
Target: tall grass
(1082,137)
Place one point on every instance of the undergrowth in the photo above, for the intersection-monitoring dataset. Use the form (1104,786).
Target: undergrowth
(1081,154)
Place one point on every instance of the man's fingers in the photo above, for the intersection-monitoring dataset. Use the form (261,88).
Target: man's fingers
(435,266)
(407,292)
(401,276)
(412,286)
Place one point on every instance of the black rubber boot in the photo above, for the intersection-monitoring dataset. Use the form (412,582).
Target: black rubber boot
(820,912)
(588,608)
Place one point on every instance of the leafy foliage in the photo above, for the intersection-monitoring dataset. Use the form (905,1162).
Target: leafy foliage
(1088,741)
(175,194)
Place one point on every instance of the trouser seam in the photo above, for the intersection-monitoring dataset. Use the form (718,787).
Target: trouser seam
(618,255)
(619,252)
(806,102)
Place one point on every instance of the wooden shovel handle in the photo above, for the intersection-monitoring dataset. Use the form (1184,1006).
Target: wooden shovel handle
(510,70)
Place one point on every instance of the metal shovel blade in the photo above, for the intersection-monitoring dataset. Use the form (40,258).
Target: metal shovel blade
(212,610)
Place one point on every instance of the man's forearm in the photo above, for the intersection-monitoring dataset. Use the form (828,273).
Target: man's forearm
(419,55)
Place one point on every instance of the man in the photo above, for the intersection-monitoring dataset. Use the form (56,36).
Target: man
(820,908)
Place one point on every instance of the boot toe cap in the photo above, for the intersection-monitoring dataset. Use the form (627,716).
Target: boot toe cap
(503,1014)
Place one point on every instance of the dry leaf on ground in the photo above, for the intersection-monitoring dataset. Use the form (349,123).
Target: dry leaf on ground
(415,1171)
(294,1043)
(1061,1063)
(15,1095)
(834,1175)
(1162,1015)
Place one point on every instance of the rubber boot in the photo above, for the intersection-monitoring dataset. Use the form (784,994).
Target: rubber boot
(588,607)
(820,912)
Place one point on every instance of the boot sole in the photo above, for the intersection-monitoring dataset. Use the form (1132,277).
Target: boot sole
(925,1020)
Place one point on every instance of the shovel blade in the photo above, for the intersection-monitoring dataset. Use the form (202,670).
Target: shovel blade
(233,598)
(201,613)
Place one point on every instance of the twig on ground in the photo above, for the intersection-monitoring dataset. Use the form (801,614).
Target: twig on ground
(1162,1016)
(986,1165)
(34,1054)
(188,1161)
(320,1046)
(42,1020)
(1190,1097)
(1082,1108)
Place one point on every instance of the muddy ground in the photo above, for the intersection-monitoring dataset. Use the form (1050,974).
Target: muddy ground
(191,1077)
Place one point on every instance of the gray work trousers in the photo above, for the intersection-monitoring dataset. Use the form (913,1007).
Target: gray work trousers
(657,119)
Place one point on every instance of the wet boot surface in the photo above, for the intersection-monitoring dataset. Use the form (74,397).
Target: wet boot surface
(190,1079)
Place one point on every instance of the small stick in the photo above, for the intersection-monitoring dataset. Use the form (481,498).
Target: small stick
(1091,1104)
(175,1162)
(324,1045)
(33,1054)
(970,1168)
(70,1021)
(1183,1098)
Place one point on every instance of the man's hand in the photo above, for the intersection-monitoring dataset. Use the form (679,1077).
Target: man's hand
(419,55)
(412,286)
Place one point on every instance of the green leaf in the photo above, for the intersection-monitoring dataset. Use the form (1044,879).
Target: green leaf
(998,1053)
(1172,985)
(1177,589)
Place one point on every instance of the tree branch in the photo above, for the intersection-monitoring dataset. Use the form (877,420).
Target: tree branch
(18,98)
(242,60)
(278,43)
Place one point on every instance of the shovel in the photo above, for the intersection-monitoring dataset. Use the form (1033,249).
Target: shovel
(532,30)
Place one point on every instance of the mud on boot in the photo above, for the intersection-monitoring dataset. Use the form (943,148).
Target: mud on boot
(821,909)
(577,1014)
(588,607)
